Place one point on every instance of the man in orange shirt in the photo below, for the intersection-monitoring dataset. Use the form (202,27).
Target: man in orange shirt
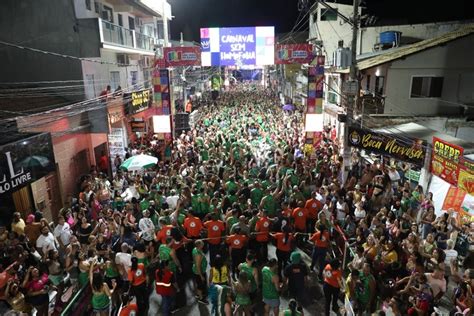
(299,216)
(215,229)
(284,245)
(237,250)
(321,245)
(192,226)
(332,285)
(313,205)
(164,232)
(262,228)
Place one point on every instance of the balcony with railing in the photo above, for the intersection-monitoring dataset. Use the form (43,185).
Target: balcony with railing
(119,36)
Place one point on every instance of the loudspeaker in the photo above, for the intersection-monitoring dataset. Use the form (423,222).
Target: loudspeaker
(342,117)
(181,122)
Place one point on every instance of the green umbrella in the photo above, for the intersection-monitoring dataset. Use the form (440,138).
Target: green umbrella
(139,162)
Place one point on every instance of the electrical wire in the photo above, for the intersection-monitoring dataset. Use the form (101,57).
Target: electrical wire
(63,55)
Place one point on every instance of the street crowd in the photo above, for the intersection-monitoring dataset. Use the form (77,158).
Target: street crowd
(206,214)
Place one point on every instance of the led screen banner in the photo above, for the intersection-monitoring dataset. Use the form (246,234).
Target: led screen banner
(293,54)
(238,46)
(182,56)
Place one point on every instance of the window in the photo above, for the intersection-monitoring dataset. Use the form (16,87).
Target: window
(134,75)
(88,5)
(120,19)
(114,80)
(131,23)
(367,83)
(108,14)
(146,78)
(379,82)
(96,7)
(160,30)
(328,14)
(426,87)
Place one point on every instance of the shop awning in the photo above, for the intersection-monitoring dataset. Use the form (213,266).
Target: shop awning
(414,130)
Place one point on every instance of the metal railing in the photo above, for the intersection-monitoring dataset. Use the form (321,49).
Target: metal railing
(119,35)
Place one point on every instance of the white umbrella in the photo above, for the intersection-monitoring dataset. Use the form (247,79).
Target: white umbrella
(139,162)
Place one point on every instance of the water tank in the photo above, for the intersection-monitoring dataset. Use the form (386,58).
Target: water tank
(390,38)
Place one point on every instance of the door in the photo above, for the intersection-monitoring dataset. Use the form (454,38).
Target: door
(114,80)
(54,194)
(100,151)
(23,201)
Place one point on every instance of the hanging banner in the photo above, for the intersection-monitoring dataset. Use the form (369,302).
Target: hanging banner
(466,175)
(454,199)
(182,56)
(293,54)
(161,91)
(445,160)
(137,101)
(412,151)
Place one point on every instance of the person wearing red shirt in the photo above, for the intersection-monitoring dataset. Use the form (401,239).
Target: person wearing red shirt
(138,286)
(332,286)
(166,287)
(300,214)
(192,226)
(237,250)
(262,228)
(215,229)
(313,205)
(129,307)
(164,232)
(284,244)
(321,244)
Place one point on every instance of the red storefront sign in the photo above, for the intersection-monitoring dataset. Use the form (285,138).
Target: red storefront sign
(445,160)
(182,56)
(293,54)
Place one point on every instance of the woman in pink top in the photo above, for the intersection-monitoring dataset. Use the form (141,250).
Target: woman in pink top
(36,287)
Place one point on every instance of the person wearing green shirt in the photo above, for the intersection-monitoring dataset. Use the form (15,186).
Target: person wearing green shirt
(231,185)
(256,194)
(269,204)
(168,254)
(270,287)
(199,270)
(251,271)
(293,309)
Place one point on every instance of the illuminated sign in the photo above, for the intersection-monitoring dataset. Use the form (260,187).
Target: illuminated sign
(137,101)
(238,46)
(182,56)
(294,54)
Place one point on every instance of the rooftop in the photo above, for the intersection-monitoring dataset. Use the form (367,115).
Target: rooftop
(386,56)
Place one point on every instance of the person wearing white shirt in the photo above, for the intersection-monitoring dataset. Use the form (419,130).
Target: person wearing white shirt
(130,193)
(123,260)
(63,232)
(46,241)
(146,226)
(359,212)
(172,200)
(450,253)
(437,282)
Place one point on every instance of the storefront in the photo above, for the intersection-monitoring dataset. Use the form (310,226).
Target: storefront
(452,183)
(28,177)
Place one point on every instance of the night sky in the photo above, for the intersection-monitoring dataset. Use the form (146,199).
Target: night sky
(191,15)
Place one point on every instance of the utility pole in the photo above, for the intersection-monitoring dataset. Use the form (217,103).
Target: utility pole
(351,89)
(183,78)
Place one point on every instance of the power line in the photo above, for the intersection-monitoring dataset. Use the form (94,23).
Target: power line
(63,55)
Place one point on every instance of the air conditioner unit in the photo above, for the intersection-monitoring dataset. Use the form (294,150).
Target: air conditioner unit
(123,60)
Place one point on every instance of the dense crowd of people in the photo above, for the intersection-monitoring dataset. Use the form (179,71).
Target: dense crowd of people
(207,213)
